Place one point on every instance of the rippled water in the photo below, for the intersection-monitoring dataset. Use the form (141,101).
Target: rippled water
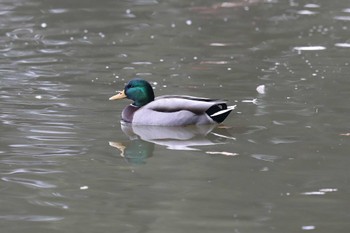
(278,164)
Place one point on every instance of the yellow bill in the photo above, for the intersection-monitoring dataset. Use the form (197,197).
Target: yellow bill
(119,146)
(120,95)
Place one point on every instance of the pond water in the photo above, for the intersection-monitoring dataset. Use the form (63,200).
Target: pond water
(278,163)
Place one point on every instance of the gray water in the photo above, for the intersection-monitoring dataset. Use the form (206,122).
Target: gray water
(278,164)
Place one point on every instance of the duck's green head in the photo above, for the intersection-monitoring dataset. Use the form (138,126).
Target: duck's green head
(138,90)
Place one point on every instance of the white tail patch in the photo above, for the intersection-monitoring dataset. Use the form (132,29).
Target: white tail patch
(229,108)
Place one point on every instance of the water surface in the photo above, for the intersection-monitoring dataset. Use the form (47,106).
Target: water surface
(279,163)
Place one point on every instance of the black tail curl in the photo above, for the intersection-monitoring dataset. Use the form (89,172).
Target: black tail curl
(217,113)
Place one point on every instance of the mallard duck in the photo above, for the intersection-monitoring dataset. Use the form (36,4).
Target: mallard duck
(169,110)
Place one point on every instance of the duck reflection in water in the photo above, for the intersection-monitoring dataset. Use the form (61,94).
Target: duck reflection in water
(143,139)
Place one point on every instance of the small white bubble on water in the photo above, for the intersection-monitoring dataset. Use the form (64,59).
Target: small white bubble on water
(173,25)
(313,193)
(329,190)
(308,228)
(306,12)
(84,187)
(43,25)
(221,153)
(189,22)
(309,48)
(311,5)
(101,35)
(261,89)
(254,101)
(128,11)
(39,97)
(343,45)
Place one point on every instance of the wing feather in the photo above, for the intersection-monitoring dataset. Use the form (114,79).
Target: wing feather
(173,103)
